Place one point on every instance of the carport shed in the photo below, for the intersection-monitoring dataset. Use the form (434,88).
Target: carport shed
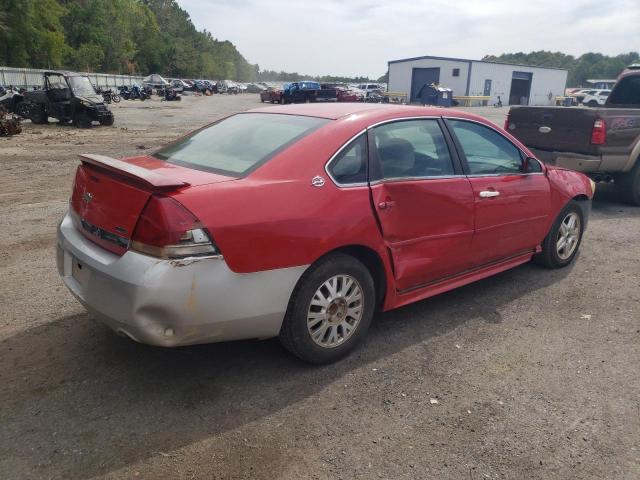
(514,84)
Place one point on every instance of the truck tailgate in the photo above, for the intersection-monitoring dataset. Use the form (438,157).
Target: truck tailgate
(562,129)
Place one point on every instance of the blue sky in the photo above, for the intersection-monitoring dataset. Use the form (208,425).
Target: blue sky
(358,37)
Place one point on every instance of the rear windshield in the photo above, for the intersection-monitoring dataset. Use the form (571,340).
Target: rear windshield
(239,144)
(626,92)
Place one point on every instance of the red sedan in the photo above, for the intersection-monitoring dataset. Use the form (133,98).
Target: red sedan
(301,221)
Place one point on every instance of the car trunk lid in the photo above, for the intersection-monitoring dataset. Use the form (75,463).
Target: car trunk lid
(109,195)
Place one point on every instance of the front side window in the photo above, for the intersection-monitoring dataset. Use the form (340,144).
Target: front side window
(412,148)
(350,165)
(239,144)
(487,152)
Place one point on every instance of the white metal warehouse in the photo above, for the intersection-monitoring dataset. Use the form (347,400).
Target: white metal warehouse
(514,84)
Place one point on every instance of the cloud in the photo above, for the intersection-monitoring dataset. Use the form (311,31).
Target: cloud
(359,37)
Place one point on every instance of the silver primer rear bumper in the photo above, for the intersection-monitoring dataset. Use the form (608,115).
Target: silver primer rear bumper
(172,302)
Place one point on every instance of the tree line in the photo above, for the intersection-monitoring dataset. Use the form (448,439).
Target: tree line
(137,37)
(588,66)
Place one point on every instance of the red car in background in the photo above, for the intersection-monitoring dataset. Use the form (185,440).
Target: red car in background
(344,93)
(271,94)
(301,221)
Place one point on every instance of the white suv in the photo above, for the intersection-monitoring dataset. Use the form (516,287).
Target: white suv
(597,98)
(367,88)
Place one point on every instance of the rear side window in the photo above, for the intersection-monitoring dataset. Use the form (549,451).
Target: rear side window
(239,144)
(626,92)
(487,152)
(350,165)
(412,148)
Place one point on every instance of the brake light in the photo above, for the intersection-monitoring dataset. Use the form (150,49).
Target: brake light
(599,132)
(166,229)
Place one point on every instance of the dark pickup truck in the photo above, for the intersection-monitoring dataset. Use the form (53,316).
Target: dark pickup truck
(603,143)
(306,92)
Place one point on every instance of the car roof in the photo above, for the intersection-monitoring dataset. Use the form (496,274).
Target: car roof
(372,111)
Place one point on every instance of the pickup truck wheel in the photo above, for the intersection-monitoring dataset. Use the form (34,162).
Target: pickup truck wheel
(630,183)
(561,245)
(330,310)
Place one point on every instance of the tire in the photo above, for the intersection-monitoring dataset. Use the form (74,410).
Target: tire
(554,257)
(592,103)
(108,121)
(22,110)
(630,184)
(82,120)
(39,116)
(115,98)
(333,340)
(282,102)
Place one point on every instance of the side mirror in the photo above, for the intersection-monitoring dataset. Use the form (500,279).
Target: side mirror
(531,165)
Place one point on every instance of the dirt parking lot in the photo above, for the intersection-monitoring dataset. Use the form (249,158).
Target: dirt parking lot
(535,372)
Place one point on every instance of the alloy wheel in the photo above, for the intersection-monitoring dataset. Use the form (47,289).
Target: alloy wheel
(568,236)
(335,311)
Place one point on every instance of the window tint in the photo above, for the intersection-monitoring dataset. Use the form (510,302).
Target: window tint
(486,150)
(626,92)
(238,144)
(412,148)
(350,166)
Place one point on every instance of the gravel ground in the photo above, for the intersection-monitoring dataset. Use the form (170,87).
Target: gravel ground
(531,374)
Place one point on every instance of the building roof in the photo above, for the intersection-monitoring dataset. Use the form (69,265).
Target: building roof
(429,57)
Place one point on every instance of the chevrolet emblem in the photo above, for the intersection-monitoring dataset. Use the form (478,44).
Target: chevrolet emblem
(87,197)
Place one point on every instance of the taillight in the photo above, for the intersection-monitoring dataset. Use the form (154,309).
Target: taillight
(506,123)
(599,133)
(166,229)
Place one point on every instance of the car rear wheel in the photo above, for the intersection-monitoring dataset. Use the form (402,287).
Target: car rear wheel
(330,310)
(592,103)
(561,245)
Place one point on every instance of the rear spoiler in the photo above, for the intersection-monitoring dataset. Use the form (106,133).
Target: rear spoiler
(144,175)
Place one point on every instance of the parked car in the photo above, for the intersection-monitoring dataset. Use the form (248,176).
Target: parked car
(227,86)
(603,142)
(68,97)
(255,88)
(306,92)
(180,86)
(578,96)
(598,98)
(222,235)
(271,94)
(343,92)
(369,88)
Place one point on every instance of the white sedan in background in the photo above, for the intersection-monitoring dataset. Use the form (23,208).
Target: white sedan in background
(596,99)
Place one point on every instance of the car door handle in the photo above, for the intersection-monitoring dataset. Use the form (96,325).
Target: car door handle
(385,205)
(489,194)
